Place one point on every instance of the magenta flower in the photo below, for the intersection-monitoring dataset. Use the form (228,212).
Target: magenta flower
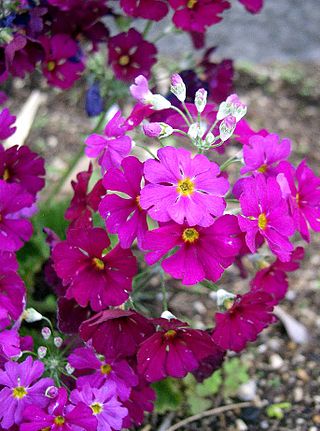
(101,372)
(124,215)
(263,153)
(6,122)
(23,166)
(172,351)
(301,187)
(63,4)
(243,132)
(61,66)
(209,364)
(83,202)
(103,402)
(9,345)
(13,230)
(70,315)
(273,279)
(253,6)
(93,275)
(60,415)
(130,55)
(183,188)
(202,253)
(243,321)
(197,15)
(111,148)
(116,333)
(141,399)
(21,387)
(266,212)
(154,11)
(12,296)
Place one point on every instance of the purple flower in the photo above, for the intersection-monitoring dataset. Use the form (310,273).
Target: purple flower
(130,55)
(13,230)
(253,6)
(140,91)
(6,122)
(124,215)
(141,399)
(12,295)
(243,132)
(9,345)
(111,148)
(103,402)
(243,321)
(70,315)
(174,350)
(202,253)
(266,212)
(262,153)
(92,275)
(94,102)
(209,364)
(101,372)
(21,387)
(155,11)
(183,188)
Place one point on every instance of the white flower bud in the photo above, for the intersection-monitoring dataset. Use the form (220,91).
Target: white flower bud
(200,99)
(31,315)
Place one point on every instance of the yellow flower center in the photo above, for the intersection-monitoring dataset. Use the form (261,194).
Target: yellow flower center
(46,429)
(191,3)
(124,60)
(169,335)
(19,392)
(262,221)
(185,187)
(96,408)
(98,263)
(263,168)
(190,235)
(51,66)
(298,199)
(106,369)
(138,203)
(6,174)
(59,420)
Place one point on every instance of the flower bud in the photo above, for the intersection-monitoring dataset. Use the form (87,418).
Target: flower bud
(225,299)
(168,315)
(46,333)
(42,352)
(194,131)
(232,106)
(69,368)
(159,102)
(178,87)
(227,127)
(157,130)
(58,342)
(51,392)
(31,315)
(200,99)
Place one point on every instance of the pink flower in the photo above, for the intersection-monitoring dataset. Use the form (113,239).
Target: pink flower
(70,315)
(12,295)
(243,132)
(140,91)
(209,364)
(155,11)
(93,275)
(197,15)
(130,55)
(266,212)
(202,253)
(141,399)
(61,66)
(253,6)
(124,215)
(174,350)
(6,122)
(183,188)
(263,153)
(111,148)
(243,321)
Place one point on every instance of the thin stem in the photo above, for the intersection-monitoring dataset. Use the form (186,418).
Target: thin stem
(227,163)
(147,28)
(183,115)
(147,150)
(181,132)
(164,291)
(188,112)
(213,126)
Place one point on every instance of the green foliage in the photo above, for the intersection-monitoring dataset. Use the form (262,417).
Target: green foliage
(168,395)
(276,411)
(235,373)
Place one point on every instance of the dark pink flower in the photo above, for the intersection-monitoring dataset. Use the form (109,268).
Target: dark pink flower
(201,253)
(111,148)
(243,132)
(6,124)
(174,350)
(64,4)
(61,66)
(13,230)
(93,275)
(197,15)
(130,55)
(155,11)
(253,6)
(84,202)
(141,399)
(23,166)
(124,215)
(209,364)
(70,315)
(3,97)
(243,321)
(116,333)
(183,188)
(12,295)
(265,211)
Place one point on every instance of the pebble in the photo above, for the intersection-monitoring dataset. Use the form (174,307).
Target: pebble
(241,426)
(199,307)
(264,425)
(316,419)
(298,394)
(303,375)
(276,361)
(247,391)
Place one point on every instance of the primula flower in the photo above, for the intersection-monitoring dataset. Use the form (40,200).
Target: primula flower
(263,153)
(243,321)
(140,91)
(197,15)
(172,351)
(116,333)
(141,399)
(70,315)
(93,275)
(60,415)
(244,132)
(12,296)
(61,66)
(21,387)
(111,148)
(103,402)
(83,202)
(130,55)
(183,188)
(13,230)
(253,6)
(154,11)
(301,188)
(124,215)
(202,253)
(266,212)
(6,122)
(9,345)
(23,166)
(100,372)
(209,364)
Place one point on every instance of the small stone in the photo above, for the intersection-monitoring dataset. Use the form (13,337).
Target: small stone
(250,414)
(247,391)
(276,361)
(316,419)
(199,307)
(312,429)
(264,425)
(303,375)
(241,426)
(298,394)
(300,421)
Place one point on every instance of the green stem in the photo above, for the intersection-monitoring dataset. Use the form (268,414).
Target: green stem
(147,28)
(183,115)
(229,162)
(147,150)
(181,132)
(164,292)
(188,112)
(213,126)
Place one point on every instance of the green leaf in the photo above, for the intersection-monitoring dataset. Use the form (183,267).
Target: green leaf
(235,373)
(210,386)
(276,410)
(198,404)
(168,395)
